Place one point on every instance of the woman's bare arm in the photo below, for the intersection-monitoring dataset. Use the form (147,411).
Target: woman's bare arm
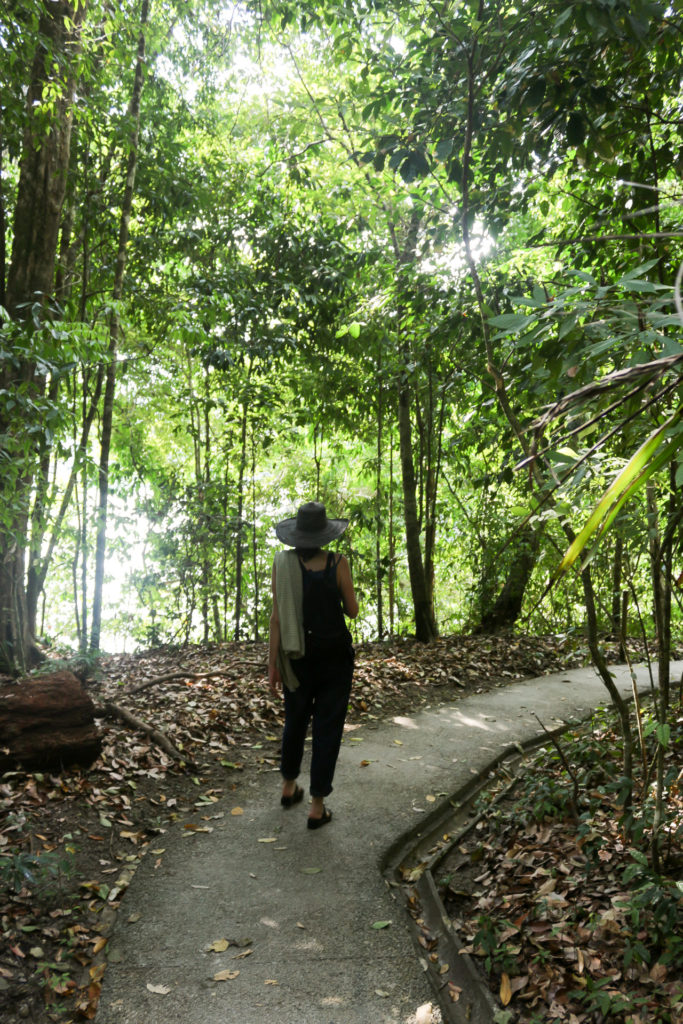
(345,584)
(274,678)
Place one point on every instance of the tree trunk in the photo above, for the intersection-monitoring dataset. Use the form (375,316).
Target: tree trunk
(83,639)
(110,380)
(44,162)
(503,612)
(3,226)
(617,571)
(392,538)
(38,523)
(254,539)
(425,626)
(378,497)
(239,549)
(40,196)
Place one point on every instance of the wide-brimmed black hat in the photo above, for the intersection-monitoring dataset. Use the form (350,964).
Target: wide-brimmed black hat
(310,527)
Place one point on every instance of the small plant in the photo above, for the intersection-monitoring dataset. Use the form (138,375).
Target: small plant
(488,940)
(600,997)
(43,874)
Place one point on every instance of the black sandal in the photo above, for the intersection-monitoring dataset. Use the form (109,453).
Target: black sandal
(296,797)
(319,822)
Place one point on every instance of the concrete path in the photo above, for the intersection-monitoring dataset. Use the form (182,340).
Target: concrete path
(307,900)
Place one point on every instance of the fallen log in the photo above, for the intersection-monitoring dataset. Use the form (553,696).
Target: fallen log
(47,723)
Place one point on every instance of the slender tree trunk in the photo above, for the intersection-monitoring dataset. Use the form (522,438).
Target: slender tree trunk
(425,626)
(617,571)
(74,585)
(392,539)
(254,545)
(3,223)
(224,546)
(85,553)
(317,456)
(38,523)
(378,495)
(110,380)
(239,550)
(215,609)
(205,497)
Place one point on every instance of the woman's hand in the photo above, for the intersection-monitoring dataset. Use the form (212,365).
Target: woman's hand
(274,680)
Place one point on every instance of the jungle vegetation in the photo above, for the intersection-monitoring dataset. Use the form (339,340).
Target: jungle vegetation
(418,261)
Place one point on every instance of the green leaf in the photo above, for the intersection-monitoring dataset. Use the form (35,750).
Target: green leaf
(663,733)
(444,149)
(512,321)
(381,924)
(637,271)
(638,469)
(414,166)
(652,467)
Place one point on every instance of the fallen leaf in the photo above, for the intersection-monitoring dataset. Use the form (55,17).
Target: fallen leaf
(236,811)
(505,993)
(159,990)
(226,975)
(381,924)
(310,871)
(454,992)
(270,840)
(218,946)
(271,981)
(658,972)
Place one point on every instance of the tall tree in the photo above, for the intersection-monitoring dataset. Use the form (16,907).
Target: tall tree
(23,376)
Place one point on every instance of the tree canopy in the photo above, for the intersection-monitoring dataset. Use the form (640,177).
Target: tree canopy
(417,261)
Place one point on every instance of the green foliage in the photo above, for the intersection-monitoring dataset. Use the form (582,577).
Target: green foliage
(487,938)
(272,284)
(43,874)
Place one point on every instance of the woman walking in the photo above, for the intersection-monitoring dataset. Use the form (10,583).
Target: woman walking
(310,655)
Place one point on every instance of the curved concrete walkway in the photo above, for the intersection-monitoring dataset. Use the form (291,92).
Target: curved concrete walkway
(302,904)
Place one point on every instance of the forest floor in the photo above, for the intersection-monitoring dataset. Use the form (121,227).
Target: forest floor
(69,841)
